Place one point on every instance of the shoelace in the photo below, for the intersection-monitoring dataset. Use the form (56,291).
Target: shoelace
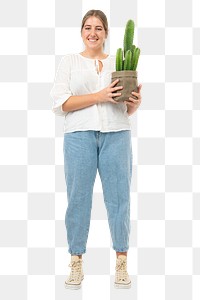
(75,271)
(121,270)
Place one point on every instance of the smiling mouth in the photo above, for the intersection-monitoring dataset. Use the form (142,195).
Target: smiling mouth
(92,40)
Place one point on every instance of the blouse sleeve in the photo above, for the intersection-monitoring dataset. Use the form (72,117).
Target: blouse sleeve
(61,87)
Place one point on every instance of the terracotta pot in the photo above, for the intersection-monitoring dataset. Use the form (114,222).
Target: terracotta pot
(128,79)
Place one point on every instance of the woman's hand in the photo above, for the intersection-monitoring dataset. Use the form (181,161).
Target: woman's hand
(134,102)
(109,92)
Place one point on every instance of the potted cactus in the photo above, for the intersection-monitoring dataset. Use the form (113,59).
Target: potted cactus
(126,64)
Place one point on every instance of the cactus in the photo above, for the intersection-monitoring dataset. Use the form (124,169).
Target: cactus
(119,60)
(128,36)
(136,58)
(127,58)
(132,50)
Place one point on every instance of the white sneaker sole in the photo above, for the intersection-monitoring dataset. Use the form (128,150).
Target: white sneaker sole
(73,286)
(122,286)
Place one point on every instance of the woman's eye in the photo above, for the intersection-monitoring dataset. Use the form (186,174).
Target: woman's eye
(99,29)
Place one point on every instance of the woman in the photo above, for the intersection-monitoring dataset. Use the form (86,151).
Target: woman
(97,136)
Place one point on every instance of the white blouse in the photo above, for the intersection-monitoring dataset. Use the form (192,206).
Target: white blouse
(78,75)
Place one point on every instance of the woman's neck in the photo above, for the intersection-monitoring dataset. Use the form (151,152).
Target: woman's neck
(94,54)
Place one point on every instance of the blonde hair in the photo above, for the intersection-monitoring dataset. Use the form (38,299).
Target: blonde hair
(98,14)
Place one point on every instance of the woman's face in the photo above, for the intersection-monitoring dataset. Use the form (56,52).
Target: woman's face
(93,33)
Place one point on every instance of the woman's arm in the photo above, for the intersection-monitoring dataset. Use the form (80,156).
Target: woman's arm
(82,101)
(79,102)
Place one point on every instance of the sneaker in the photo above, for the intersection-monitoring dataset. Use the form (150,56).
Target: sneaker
(122,279)
(76,275)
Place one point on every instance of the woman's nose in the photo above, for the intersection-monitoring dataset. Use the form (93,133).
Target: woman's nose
(92,33)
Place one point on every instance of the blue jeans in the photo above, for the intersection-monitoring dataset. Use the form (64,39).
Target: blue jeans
(110,153)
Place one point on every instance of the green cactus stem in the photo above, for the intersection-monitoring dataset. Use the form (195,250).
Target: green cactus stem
(119,60)
(128,60)
(136,58)
(132,50)
(124,60)
(128,36)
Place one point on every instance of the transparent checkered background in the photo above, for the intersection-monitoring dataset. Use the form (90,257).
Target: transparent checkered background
(164,255)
